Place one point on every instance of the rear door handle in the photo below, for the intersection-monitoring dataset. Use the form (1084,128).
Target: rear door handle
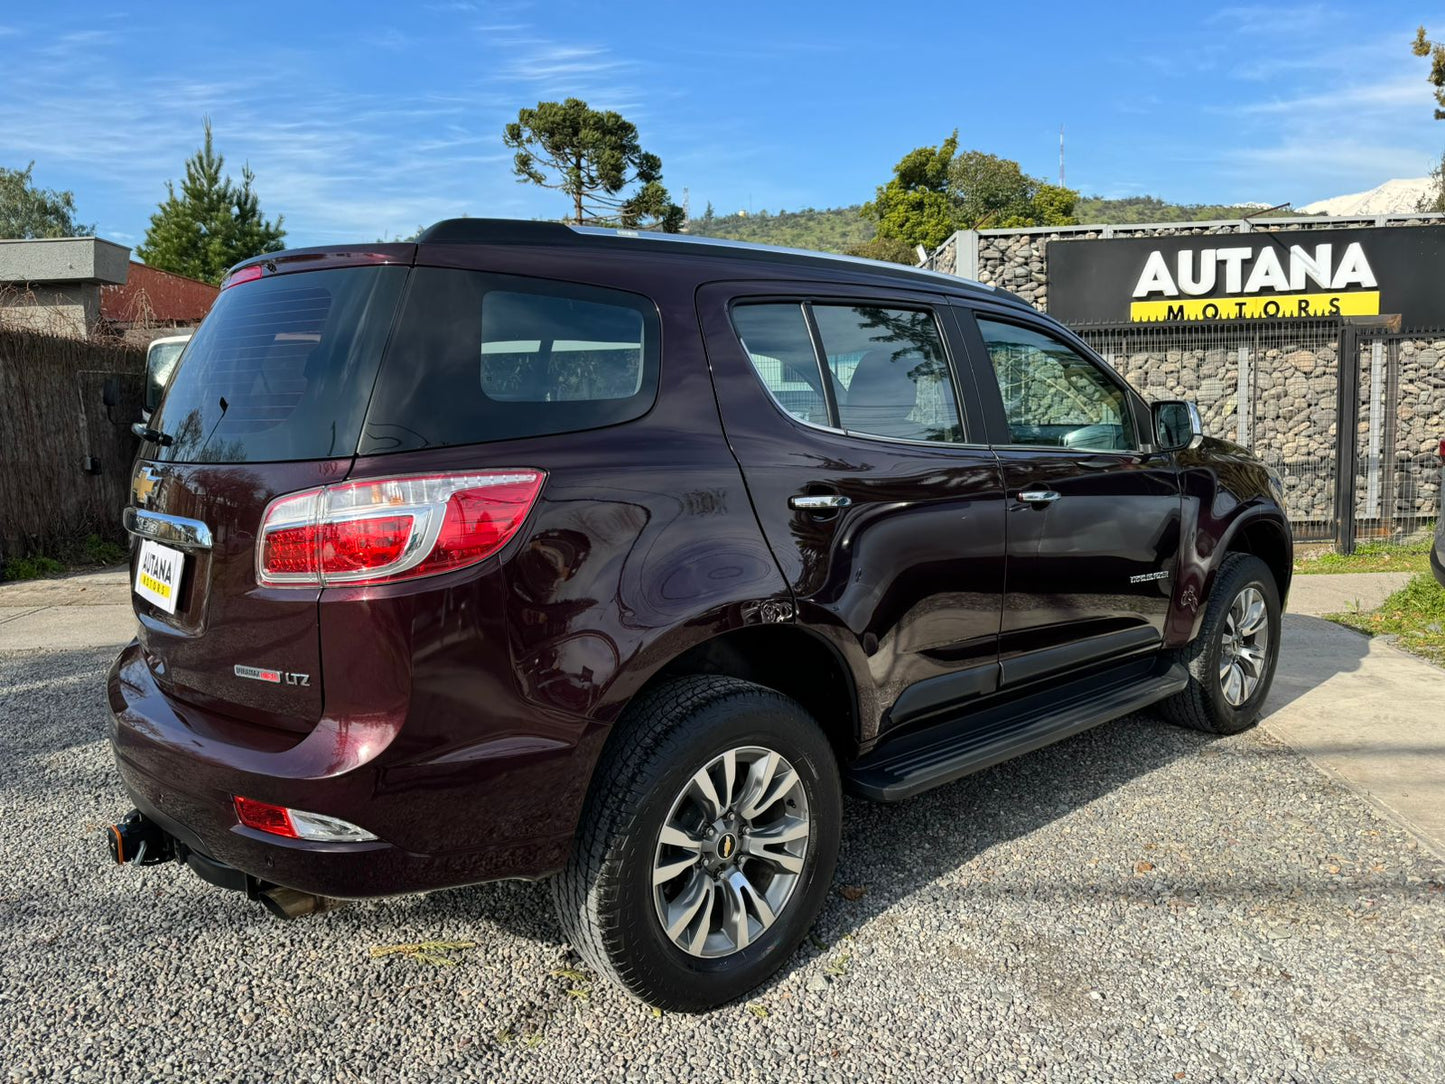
(1038,496)
(819,502)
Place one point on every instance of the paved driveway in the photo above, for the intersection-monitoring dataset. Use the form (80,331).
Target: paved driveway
(1138,903)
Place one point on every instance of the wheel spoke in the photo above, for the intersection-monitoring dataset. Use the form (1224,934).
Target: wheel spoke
(703,784)
(663,873)
(766,844)
(1234,685)
(730,777)
(1252,659)
(697,898)
(1254,614)
(760,774)
(1226,664)
(735,912)
(676,837)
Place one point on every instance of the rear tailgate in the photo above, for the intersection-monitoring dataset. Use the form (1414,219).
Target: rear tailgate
(268,400)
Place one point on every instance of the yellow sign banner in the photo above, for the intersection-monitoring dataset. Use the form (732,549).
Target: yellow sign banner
(1272,307)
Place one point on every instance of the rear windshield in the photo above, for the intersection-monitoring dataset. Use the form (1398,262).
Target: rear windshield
(480,357)
(281,369)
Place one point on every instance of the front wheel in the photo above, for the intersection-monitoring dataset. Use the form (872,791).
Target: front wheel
(1231,662)
(707,843)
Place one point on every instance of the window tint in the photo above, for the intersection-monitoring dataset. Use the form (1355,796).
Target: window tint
(889,371)
(604,363)
(478,357)
(776,339)
(1053,395)
(281,368)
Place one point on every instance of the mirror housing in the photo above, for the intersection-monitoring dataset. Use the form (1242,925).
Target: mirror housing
(161,359)
(1177,425)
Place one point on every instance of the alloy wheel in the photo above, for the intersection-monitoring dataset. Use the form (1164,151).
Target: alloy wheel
(1244,646)
(730,852)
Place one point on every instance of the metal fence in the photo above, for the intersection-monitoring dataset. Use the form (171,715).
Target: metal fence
(1276,388)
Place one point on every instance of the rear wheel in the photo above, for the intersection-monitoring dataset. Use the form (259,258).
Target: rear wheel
(707,843)
(1232,661)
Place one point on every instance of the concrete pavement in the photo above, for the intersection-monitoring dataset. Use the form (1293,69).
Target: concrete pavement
(1365,712)
(91,609)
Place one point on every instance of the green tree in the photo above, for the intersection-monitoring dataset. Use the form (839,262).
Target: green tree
(916,206)
(890,250)
(212,223)
(593,156)
(27,211)
(936,190)
(1435,51)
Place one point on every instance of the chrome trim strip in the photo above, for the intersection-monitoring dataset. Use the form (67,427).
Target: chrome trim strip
(174,530)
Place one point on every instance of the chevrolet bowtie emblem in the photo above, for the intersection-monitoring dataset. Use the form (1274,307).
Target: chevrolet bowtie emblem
(144,485)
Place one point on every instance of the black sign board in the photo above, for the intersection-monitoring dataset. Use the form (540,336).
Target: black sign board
(1262,275)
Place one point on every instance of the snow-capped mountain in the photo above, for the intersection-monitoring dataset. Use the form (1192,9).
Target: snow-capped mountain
(1392,197)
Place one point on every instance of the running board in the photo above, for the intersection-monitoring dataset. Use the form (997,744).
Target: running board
(922,759)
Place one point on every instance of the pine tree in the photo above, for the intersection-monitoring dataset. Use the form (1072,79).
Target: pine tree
(212,223)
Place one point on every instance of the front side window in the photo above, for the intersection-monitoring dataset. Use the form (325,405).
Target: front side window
(1053,396)
(886,367)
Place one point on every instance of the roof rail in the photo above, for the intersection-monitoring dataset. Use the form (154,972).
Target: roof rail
(507,231)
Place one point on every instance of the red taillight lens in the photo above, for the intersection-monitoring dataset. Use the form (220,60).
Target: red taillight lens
(246,274)
(291,550)
(1442,449)
(357,545)
(388,529)
(265,817)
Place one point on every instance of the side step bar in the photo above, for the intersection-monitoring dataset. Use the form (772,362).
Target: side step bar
(927,758)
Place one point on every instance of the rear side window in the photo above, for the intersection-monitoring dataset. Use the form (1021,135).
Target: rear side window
(281,368)
(889,372)
(777,341)
(479,357)
(886,368)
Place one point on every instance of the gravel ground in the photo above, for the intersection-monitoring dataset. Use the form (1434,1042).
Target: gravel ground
(1138,903)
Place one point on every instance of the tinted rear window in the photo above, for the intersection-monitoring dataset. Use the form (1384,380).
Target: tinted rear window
(480,357)
(281,369)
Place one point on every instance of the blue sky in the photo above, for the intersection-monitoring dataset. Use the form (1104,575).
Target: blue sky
(364,120)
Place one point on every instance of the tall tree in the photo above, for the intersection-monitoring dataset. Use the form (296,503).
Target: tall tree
(212,223)
(28,211)
(593,156)
(916,206)
(936,190)
(1435,51)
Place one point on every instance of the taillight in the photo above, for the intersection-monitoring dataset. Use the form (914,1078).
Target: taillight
(246,274)
(387,529)
(278,820)
(1442,449)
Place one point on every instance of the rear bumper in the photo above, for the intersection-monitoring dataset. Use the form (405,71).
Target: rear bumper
(503,810)
(1437,558)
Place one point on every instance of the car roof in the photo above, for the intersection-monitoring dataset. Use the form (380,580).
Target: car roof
(506,231)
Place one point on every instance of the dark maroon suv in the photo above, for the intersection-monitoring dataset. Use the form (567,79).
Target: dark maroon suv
(532,551)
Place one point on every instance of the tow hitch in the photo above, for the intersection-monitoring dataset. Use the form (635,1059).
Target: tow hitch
(136,839)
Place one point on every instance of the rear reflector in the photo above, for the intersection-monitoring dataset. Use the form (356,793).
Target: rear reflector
(388,529)
(277,820)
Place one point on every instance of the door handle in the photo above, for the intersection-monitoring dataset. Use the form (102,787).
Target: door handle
(1038,496)
(819,502)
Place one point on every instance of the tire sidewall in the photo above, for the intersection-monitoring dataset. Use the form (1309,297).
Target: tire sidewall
(761,719)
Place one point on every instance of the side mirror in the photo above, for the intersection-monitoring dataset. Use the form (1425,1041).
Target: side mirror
(1177,425)
(110,391)
(160,365)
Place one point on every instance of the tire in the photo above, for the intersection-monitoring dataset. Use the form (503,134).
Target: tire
(605,897)
(1205,703)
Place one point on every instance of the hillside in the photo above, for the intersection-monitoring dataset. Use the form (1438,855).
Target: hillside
(835,229)
(1115,212)
(832,230)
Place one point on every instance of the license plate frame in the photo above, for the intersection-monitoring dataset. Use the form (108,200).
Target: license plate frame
(158,573)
